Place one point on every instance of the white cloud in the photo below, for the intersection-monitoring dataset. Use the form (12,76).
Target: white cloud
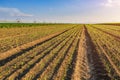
(111,3)
(12,12)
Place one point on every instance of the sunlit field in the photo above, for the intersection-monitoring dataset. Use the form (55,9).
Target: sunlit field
(59,39)
(59,51)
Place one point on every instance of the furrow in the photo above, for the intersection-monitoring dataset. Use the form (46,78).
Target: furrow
(14,53)
(116,37)
(109,59)
(81,68)
(25,58)
(44,61)
(62,70)
(34,61)
(97,68)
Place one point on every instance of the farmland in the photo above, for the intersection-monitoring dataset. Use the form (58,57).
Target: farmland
(59,51)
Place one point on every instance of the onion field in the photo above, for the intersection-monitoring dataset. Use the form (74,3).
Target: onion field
(59,52)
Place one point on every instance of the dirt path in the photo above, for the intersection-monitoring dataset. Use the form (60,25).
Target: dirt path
(81,69)
(88,65)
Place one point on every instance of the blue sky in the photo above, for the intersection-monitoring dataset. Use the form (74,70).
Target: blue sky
(76,11)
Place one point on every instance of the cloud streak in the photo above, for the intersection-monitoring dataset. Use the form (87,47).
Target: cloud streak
(13,12)
(111,3)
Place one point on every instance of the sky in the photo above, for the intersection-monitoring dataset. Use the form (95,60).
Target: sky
(60,11)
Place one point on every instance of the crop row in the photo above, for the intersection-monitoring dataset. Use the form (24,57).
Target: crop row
(20,65)
(57,53)
(112,35)
(109,27)
(13,37)
(61,73)
(24,56)
(108,48)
